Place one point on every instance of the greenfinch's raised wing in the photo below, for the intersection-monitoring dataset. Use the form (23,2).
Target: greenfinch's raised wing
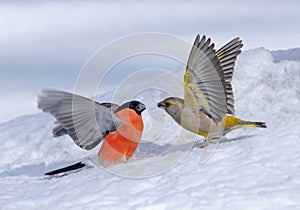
(204,85)
(227,56)
(84,120)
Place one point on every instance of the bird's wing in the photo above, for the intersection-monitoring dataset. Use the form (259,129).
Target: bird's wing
(85,121)
(111,106)
(227,56)
(204,86)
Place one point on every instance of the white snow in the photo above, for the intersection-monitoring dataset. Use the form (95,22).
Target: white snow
(249,169)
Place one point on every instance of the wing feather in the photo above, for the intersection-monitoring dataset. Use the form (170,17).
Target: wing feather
(87,122)
(227,56)
(204,85)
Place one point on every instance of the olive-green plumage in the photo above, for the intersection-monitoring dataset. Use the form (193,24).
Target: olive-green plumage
(208,105)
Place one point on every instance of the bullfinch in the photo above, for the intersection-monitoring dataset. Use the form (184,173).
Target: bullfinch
(89,122)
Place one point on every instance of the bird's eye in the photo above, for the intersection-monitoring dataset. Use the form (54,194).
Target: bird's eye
(167,104)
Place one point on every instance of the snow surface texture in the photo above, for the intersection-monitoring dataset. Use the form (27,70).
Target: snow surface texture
(249,169)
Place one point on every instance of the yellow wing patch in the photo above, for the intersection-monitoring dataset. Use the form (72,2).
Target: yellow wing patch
(190,90)
(219,54)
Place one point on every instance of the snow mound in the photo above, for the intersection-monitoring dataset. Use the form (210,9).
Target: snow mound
(266,90)
(290,55)
(249,169)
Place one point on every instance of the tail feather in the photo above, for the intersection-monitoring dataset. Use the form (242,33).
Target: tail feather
(232,123)
(66,169)
(253,124)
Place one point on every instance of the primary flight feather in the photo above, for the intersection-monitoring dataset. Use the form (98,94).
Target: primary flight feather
(208,105)
(89,122)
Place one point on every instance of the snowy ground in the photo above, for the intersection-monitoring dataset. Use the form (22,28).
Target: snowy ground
(249,169)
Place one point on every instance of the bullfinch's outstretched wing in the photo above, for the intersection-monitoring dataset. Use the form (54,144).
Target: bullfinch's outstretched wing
(87,122)
(227,56)
(111,106)
(204,84)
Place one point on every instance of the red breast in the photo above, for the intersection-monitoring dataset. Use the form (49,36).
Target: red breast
(122,143)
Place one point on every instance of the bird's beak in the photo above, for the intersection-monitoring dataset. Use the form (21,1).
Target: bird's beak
(161,105)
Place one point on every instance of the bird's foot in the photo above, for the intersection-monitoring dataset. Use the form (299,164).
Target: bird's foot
(204,143)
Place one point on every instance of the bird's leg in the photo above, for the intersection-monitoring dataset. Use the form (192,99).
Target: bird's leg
(205,143)
(208,141)
(199,144)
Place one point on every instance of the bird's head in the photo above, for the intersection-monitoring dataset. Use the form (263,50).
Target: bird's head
(172,106)
(137,106)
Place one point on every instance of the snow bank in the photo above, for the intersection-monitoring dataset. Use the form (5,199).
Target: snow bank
(250,169)
(266,90)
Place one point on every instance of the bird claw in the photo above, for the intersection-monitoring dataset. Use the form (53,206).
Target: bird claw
(200,144)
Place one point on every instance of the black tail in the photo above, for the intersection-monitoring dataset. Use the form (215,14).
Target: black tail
(260,124)
(65,169)
(252,124)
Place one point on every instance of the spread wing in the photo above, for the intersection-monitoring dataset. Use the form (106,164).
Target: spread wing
(111,106)
(204,84)
(227,56)
(85,121)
